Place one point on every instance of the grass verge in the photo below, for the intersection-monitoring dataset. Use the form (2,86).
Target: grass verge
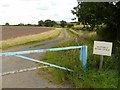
(30,39)
(89,78)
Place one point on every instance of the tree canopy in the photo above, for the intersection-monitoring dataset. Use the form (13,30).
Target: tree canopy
(52,23)
(47,23)
(97,13)
(63,23)
(41,23)
(7,24)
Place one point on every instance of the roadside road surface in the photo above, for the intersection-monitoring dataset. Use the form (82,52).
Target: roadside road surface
(29,79)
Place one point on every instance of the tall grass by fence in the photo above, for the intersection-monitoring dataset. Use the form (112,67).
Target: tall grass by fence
(92,77)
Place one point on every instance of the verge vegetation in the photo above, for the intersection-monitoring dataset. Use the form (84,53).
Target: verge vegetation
(92,77)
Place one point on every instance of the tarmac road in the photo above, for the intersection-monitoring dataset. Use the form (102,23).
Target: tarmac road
(29,79)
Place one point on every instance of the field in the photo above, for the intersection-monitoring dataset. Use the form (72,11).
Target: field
(15,36)
(9,32)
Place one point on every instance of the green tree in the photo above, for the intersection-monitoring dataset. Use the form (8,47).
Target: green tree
(54,23)
(96,13)
(63,23)
(50,23)
(7,24)
(47,23)
(41,23)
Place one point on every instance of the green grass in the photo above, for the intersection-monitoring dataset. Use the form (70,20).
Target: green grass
(89,78)
(78,27)
(30,39)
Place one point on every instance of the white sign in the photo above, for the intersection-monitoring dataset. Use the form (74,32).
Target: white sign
(102,48)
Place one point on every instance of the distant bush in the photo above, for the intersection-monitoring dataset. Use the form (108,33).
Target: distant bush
(21,24)
(70,25)
(7,24)
(29,25)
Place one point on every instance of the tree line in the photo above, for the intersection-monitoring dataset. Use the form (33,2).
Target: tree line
(52,23)
(47,23)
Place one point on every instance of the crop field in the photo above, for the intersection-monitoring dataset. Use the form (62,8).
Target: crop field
(9,32)
(29,39)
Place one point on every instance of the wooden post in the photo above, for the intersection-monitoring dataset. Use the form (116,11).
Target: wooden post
(101,62)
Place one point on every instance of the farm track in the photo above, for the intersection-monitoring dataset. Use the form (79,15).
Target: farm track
(30,79)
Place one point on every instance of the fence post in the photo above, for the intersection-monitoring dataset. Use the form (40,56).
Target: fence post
(83,56)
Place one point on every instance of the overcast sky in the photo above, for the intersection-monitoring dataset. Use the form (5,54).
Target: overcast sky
(31,11)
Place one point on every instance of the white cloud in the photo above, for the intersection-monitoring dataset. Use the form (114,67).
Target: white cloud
(31,11)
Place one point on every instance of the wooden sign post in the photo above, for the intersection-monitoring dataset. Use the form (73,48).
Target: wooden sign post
(101,62)
(103,49)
